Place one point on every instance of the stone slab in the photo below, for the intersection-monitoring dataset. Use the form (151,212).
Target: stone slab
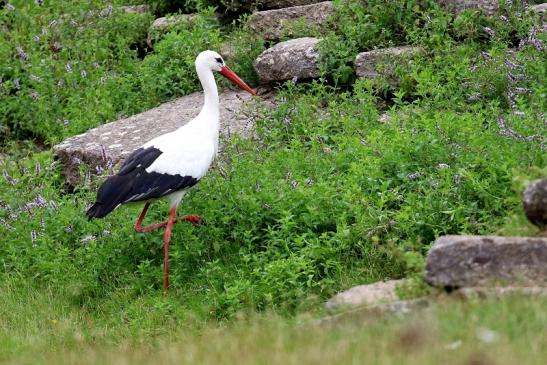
(498,292)
(107,145)
(360,295)
(271,24)
(297,58)
(397,308)
(165,23)
(488,7)
(138,9)
(534,201)
(382,62)
(463,261)
(278,4)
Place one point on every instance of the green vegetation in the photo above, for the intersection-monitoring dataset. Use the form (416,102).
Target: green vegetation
(342,196)
(47,329)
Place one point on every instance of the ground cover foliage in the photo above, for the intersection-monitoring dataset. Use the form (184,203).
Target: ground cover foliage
(347,182)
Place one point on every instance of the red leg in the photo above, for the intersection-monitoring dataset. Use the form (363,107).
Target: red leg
(166,239)
(192,218)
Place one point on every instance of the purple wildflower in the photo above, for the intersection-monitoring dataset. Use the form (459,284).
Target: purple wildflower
(103,152)
(21,53)
(413,176)
(515,77)
(486,55)
(87,239)
(33,237)
(6,224)
(489,31)
(474,97)
(17,84)
(10,180)
(83,73)
(40,201)
(106,12)
(10,7)
(513,66)
(310,182)
(294,184)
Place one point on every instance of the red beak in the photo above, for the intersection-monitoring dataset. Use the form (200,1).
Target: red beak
(232,76)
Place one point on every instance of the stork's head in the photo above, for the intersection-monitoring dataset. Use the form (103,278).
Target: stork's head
(214,62)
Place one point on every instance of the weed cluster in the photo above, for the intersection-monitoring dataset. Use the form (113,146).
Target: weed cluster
(353,184)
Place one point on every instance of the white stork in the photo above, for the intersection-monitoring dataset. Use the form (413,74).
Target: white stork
(168,165)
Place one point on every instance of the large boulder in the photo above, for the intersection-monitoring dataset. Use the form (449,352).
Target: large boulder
(278,4)
(136,9)
(103,147)
(297,58)
(272,23)
(381,63)
(488,7)
(369,294)
(166,23)
(461,261)
(534,201)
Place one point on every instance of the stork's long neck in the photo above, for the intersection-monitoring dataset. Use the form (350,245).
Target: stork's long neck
(210,110)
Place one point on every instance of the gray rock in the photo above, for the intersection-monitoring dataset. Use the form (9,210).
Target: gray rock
(364,295)
(109,144)
(381,63)
(540,8)
(497,292)
(534,201)
(277,4)
(398,308)
(164,24)
(488,7)
(286,60)
(461,261)
(272,23)
(139,9)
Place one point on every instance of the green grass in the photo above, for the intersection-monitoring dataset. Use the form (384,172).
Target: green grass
(339,197)
(49,328)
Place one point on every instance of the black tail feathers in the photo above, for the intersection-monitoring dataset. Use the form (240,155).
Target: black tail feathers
(98,210)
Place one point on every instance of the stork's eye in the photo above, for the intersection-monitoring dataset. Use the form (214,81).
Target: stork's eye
(219,60)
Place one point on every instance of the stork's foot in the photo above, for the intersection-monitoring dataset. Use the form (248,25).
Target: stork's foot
(195,219)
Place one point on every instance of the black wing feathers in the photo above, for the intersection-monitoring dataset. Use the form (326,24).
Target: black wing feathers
(133,183)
